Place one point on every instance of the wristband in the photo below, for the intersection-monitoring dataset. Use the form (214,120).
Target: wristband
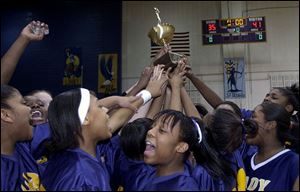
(146,95)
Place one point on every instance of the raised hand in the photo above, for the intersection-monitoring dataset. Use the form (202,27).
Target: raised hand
(11,58)
(157,81)
(188,68)
(28,33)
(178,75)
(145,77)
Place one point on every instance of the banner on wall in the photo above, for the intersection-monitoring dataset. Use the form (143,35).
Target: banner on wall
(73,67)
(107,73)
(234,78)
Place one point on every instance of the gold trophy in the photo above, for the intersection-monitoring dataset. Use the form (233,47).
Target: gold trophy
(162,34)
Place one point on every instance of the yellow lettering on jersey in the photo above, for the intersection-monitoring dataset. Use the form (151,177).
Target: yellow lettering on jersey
(262,184)
(120,188)
(43,159)
(253,184)
(32,182)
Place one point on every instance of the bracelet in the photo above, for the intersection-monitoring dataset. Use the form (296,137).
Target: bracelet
(146,95)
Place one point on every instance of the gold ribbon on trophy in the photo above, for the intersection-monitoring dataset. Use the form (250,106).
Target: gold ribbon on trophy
(162,34)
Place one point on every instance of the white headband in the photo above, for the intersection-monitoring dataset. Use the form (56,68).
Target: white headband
(199,130)
(84,104)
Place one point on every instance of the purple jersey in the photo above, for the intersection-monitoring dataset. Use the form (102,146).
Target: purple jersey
(247,150)
(132,175)
(74,169)
(179,181)
(204,180)
(41,133)
(279,172)
(20,171)
(108,152)
(126,174)
(238,181)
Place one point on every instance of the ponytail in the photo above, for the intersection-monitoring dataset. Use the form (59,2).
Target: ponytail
(207,156)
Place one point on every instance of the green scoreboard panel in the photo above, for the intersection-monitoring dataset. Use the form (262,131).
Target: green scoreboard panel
(238,30)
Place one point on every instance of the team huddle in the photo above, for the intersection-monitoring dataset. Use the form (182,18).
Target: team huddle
(152,138)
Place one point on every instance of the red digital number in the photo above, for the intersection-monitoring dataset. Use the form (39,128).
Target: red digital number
(259,24)
(254,24)
(212,27)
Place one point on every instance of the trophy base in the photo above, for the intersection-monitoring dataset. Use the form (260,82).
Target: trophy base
(169,59)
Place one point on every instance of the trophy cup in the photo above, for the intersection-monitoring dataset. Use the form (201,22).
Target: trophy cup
(162,34)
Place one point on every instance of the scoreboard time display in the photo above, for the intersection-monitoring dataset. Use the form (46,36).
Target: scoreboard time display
(238,30)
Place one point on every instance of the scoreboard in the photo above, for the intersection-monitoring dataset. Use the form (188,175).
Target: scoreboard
(238,30)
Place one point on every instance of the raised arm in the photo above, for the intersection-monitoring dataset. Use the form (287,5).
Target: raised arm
(141,84)
(167,100)
(113,102)
(188,105)
(157,103)
(176,82)
(122,115)
(143,81)
(209,95)
(12,56)
(138,86)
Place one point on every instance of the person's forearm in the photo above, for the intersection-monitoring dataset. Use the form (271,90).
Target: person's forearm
(122,115)
(11,58)
(175,103)
(167,100)
(110,102)
(209,95)
(153,90)
(155,106)
(188,105)
(134,90)
(142,111)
